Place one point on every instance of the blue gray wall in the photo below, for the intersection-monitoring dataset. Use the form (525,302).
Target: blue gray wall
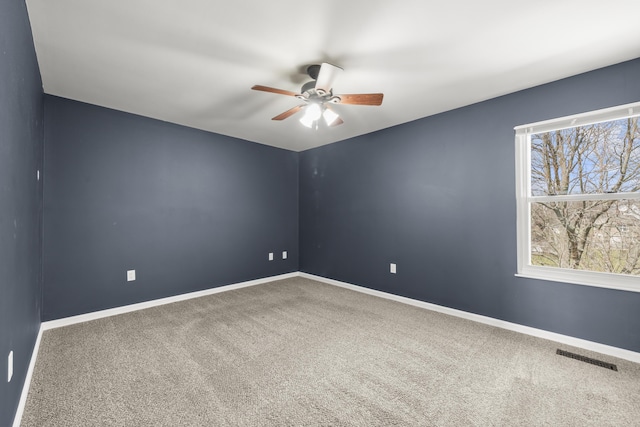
(191,210)
(437,197)
(21,135)
(187,209)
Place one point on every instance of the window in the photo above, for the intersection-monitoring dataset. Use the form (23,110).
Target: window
(578,198)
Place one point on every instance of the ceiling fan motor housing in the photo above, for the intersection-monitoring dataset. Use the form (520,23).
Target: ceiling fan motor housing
(313,71)
(308,87)
(309,92)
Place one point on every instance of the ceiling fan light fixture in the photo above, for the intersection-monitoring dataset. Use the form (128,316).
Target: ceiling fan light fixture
(307,122)
(311,114)
(330,116)
(314,111)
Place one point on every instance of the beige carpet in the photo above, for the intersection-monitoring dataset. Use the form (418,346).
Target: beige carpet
(302,353)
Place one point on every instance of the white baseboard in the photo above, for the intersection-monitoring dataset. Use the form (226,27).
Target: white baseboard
(540,333)
(52,324)
(552,336)
(27,381)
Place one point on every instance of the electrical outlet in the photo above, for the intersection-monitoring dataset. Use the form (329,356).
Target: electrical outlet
(392,268)
(131,275)
(284,254)
(270,256)
(10,366)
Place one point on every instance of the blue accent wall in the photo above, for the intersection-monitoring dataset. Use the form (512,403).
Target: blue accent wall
(21,136)
(187,209)
(437,197)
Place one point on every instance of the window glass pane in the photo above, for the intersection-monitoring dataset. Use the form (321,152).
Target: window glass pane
(598,158)
(600,235)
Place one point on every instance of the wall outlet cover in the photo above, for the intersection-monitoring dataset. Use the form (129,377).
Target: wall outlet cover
(131,275)
(392,268)
(10,366)
(270,256)
(284,254)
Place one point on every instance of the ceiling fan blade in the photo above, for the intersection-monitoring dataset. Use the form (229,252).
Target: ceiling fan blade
(361,99)
(326,76)
(288,113)
(274,90)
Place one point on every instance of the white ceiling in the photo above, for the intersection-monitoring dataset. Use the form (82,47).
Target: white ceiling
(193,62)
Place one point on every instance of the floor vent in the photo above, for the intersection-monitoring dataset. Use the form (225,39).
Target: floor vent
(587,359)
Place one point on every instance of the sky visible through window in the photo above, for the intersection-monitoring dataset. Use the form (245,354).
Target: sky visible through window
(587,159)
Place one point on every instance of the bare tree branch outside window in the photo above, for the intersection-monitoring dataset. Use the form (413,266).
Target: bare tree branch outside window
(593,235)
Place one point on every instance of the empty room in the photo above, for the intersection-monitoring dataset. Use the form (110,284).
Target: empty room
(362,213)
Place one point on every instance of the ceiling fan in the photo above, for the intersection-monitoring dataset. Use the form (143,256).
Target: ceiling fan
(318,96)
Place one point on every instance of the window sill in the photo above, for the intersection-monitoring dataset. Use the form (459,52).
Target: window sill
(601,280)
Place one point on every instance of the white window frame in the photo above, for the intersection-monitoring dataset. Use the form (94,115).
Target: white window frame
(524,200)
